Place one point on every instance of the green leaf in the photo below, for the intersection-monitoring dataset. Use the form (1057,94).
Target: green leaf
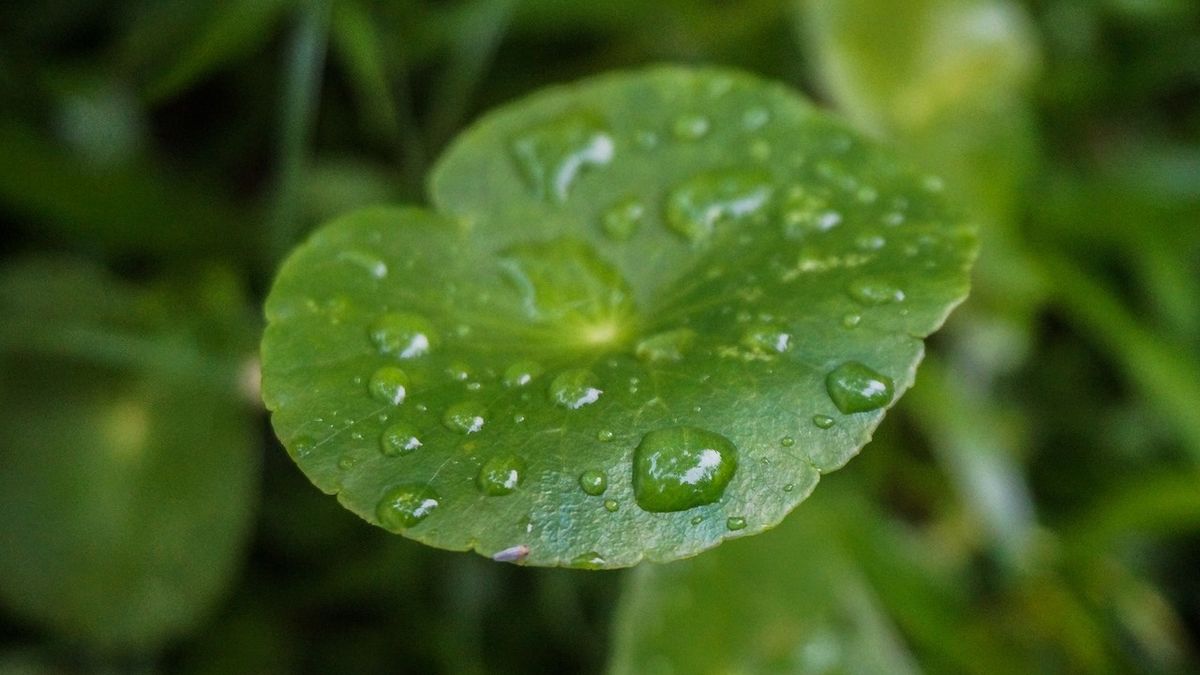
(623,314)
(128,481)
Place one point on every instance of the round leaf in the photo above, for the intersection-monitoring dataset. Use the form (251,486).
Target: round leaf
(623,330)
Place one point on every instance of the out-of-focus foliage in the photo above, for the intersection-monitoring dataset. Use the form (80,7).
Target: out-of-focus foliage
(1032,506)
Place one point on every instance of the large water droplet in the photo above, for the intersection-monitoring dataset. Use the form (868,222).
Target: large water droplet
(622,221)
(611,505)
(854,387)
(399,439)
(696,207)
(551,157)
(406,505)
(671,345)
(823,421)
(874,291)
(575,388)
(678,468)
(500,475)
(403,335)
(762,338)
(593,482)
(735,523)
(389,384)
(466,417)
(521,373)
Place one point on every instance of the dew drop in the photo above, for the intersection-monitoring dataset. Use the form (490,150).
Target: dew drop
(389,384)
(552,157)
(622,220)
(459,371)
(588,561)
(406,505)
(805,212)
(787,441)
(679,468)
(854,387)
(735,523)
(348,461)
(575,388)
(762,338)
(754,119)
(466,417)
(696,520)
(604,435)
(690,127)
(851,320)
(593,482)
(399,439)
(874,291)
(670,345)
(303,446)
(611,505)
(789,487)
(522,373)
(405,336)
(500,475)
(822,421)
(698,205)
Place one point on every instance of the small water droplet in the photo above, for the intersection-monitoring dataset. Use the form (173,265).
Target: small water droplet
(389,384)
(696,520)
(588,561)
(500,475)
(854,387)
(348,461)
(789,487)
(466,417)
(512,554)
(593,482)
(690,127)
(552,157)
(678,468)
(522,373)
(851,320)
(822,421)
(459,371)
(697,206)
(874,291)
(406,505)
(575,388)
(754,118)
(870,241)
(787,441)
(405,336)
(805,212)
(762,338)
(670,345)
(604,435)
(611,505)
(399,439)
(735,523)
(303,446)
(623,219)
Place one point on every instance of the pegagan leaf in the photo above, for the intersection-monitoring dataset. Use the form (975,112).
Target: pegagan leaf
(644,314)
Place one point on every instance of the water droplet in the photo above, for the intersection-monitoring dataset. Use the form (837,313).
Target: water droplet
(787,441)
(806,212)
(593,482)
(696,520)
(406,505)
(754,119)
(622,220)
(500,475)
(735,523)
(678,468)
(854,387)
(389,384)
(789,487)
(376,267)
(399,439)
(822,421)
(762,338)
(522,373)
(874,291)
(466,417)
(303,446)
(851,320)
(403,335)
(459,371)
(697,206)
(552,156)
(588,561)
(669,345)
(604,435)
(348,461)
(611,505)
(690,127)
(575,388)
(512,554)
(870,241)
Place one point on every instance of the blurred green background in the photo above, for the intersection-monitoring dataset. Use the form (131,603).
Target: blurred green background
(1033,505)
